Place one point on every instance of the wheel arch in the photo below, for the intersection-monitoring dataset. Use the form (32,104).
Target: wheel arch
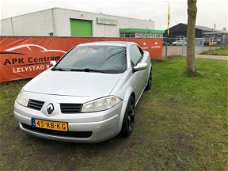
(127,96)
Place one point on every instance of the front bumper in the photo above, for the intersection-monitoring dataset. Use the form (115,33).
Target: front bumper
(102,125)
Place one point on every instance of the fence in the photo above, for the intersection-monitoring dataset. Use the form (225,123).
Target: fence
(26,57)
(177,46)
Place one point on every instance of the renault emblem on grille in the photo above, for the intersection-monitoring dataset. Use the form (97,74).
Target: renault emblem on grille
(50,108)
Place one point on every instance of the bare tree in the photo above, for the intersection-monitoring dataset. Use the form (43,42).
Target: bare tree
(190,60)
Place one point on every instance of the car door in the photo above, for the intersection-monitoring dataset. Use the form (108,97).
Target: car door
(136,55)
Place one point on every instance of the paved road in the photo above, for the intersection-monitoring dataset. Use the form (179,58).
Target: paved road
(212,57)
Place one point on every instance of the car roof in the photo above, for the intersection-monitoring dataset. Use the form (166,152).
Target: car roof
(108,43)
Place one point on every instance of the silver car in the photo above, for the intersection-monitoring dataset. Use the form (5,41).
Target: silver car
(179,43)
(88,96)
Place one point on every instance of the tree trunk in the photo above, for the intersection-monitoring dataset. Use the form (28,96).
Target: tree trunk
(190,59)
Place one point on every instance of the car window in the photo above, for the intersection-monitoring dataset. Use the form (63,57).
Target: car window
(135,54)
(105,58)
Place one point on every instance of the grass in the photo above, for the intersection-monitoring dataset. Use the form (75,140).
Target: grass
(180,125)
(221,51)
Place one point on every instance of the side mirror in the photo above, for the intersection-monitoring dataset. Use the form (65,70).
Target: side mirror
(140,66)
(52,63)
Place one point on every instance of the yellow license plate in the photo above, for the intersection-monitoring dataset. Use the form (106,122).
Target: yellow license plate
(52,125)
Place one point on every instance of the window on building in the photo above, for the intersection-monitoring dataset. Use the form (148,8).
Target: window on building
(132,34)
(159,36)
(127,35)
(139,35)
(122,34)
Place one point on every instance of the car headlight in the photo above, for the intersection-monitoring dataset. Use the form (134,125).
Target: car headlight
(22,99)
(100,104)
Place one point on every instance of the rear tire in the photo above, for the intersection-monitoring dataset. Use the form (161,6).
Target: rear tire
(129,118)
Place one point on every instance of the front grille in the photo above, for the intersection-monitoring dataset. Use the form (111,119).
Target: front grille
(70,107)
(35,104)
(76,134)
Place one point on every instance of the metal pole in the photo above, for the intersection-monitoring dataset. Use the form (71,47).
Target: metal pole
(166,47)
(166,42)
(53,21)
(12,27)
(183,46)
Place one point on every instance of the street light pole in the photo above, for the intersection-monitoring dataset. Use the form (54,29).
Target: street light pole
(168,18)
(166,42)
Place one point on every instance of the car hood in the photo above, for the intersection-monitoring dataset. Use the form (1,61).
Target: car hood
(80,84)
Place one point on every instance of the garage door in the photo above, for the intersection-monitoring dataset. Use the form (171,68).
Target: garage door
(80,28)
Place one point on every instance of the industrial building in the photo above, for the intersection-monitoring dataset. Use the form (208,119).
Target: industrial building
(73,23)
(218,37)
(179,31)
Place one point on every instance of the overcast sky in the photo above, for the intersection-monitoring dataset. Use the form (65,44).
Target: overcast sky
(210,12)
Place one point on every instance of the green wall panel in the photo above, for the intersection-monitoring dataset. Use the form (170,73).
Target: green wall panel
(80,28)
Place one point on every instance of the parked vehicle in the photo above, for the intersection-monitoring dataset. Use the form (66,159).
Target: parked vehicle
(179,43)
(212,42)
(88,96)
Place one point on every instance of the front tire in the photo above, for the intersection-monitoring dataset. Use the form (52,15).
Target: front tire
(149,83)
(129,118)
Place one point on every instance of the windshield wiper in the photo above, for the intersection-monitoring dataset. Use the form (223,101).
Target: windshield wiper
(60,69)
(88,70)
(81,70)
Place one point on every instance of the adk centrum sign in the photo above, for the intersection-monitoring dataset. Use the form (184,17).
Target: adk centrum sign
(106,21)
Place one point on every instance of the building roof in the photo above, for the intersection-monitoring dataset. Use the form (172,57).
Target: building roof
(217,32)
(197,27)
(57,8)
(204,28)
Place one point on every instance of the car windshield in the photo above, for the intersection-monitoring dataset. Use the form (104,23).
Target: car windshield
(94,59)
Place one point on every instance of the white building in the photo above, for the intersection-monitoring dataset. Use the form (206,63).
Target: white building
(65,22)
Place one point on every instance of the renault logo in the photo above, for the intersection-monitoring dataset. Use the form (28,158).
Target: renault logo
(50,108)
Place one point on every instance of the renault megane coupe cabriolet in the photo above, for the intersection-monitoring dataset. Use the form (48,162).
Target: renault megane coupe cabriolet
(89,95)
